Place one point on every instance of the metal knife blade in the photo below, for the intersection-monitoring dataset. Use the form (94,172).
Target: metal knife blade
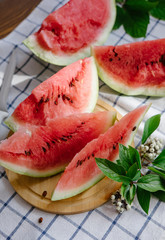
(6,84)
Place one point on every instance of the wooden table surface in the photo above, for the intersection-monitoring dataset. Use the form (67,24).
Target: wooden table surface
(12,12)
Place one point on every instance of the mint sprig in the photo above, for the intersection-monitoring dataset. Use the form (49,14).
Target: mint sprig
(134,15)
(128,169)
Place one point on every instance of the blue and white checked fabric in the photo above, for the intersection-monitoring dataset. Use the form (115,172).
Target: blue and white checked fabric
(18,219)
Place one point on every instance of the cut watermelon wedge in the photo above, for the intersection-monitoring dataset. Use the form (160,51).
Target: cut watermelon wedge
(133,69)
(82,172)
(46,150)
(74,89)
(67,34)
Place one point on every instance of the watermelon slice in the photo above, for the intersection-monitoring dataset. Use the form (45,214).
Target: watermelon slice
(82,172)
(133,69)
(67,34)
(74,89)
(46,150)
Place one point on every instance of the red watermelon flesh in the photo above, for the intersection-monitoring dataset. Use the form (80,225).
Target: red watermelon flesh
(67,33)
(133,69)
(46,150)
(74,89)
(82,172)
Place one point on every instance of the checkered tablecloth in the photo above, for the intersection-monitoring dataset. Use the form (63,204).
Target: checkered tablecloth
(18,219)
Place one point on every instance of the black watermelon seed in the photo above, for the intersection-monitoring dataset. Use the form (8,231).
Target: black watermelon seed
(71,101)
(28,153)
(88,157)
(44,193)
(137,67)
(134,128)
(111,59)
(40,220)
(63,139)
(41,100)
(93,155)
(47,100)
(68,98)
(63,96)
(162,59)
(44,149)
(121,137)
(53,141)
(82,122)
(71,84)
(146,63)
(119,58)
(78,163)
(114,147)
(152,63)
(55,102)
(58,95)
(48,144)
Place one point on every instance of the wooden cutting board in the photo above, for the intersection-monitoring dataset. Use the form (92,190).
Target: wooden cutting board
(31,189)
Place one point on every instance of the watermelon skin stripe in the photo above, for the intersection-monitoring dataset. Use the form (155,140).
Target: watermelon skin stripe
(79,177)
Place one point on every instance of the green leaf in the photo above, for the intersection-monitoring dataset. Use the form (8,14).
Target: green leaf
(118,162)
(132,171)
(137,176)
(160,195)
(125,179)
(157,171)
(136,22)
(112,170)
(159,10)
(143,197)
(120,1)
(129,193)
(142,5)
(160,160)
(124,156)
(119,18)
(124,190)
(132,192)
(128,156)
(150,126)
(151,183)
(134,156)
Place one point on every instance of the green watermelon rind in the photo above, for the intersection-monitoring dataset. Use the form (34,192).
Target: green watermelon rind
(14,125)
(32,173)
(120,87)
(67,59)
(68,194)
(84,187)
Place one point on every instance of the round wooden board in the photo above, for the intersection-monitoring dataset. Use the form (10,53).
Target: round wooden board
(31,189)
